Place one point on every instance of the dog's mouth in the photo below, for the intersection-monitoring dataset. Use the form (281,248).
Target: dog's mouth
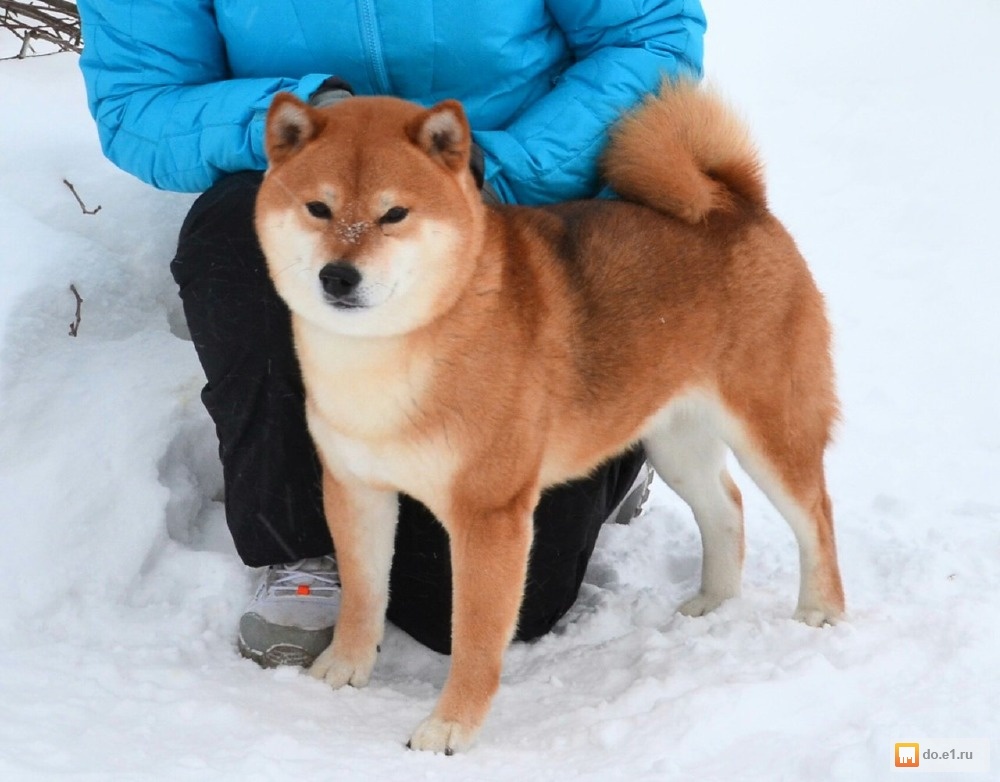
(345,304)
(368,298)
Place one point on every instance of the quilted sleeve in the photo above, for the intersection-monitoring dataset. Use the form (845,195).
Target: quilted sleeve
(159,88)
(622,49)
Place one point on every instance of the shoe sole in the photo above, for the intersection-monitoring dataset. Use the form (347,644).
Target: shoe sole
(630,507)
(277,655)
(291,645)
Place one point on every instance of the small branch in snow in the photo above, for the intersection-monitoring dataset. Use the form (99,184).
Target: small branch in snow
(74,327)
(79,200)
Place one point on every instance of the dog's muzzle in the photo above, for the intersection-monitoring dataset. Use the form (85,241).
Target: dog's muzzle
(340,283)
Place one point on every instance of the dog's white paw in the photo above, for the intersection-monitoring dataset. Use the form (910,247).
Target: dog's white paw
(817,617)
(701,604)
(337,670)
(437,735)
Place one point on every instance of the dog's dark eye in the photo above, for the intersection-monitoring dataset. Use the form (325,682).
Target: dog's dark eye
(319,210)
(395,215)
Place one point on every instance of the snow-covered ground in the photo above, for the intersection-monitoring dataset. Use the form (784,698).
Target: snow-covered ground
(121,591)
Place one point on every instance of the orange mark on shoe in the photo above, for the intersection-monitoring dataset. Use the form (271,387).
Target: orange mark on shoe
(303,589)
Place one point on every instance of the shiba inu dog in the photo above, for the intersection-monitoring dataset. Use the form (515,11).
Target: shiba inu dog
(448,350)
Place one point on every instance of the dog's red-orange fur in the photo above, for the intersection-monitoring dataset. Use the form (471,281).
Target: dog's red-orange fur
(545,341)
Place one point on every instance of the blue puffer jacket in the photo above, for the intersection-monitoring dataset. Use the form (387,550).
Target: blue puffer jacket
(179,88)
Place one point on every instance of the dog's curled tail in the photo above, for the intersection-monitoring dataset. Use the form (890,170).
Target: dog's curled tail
(684,152)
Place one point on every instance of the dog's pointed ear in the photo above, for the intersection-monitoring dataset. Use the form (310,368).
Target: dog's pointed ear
(443,133)
(291,123)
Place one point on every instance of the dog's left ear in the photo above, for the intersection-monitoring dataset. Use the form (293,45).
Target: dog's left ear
(443,133)
(291,123)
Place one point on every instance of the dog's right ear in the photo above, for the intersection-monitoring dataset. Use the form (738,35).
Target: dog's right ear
(291,123)
(443,133)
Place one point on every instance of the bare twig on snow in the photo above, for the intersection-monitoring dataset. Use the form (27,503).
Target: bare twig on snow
(74,327)
(79,200)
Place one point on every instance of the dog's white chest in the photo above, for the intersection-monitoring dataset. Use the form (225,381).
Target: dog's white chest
(421,467)
(369,389)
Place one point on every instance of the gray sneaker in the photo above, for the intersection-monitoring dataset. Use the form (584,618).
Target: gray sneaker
(290,619)
(631,505)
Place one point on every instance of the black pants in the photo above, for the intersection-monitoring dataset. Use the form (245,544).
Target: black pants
(242,332)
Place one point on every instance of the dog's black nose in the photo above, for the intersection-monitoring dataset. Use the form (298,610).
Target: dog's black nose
(340,279)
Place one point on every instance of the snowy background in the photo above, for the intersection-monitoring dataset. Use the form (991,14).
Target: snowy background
(120,590)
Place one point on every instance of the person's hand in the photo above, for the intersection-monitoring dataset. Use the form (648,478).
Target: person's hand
(477,164)
(332,90)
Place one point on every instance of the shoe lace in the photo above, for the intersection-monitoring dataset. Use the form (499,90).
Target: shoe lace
(319,573)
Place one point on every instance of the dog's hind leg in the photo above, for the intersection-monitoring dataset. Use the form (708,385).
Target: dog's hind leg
(687,453)
(789,470)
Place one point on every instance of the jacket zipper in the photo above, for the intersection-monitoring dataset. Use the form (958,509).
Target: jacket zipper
(373,47)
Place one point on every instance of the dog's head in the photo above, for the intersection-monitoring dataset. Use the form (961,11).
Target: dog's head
(368,215)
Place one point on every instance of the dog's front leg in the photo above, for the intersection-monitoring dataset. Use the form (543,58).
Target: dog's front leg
(489,556)
(363,525)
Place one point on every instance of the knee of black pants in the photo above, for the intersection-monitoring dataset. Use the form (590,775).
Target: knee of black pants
(241,330)
(219,226)
(230,303)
